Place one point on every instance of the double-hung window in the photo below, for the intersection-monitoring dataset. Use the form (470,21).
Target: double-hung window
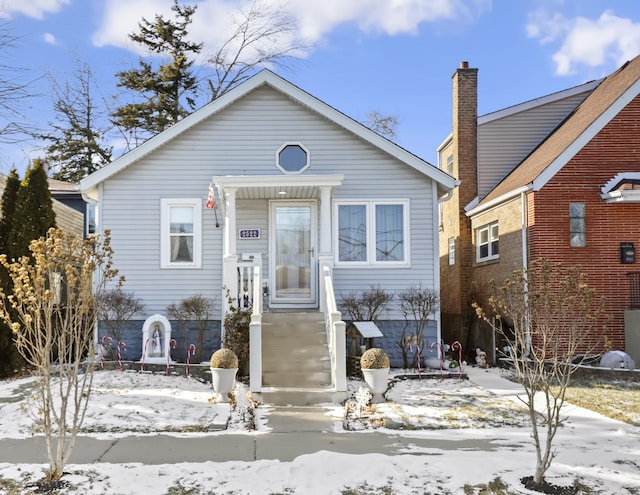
(487,242)
(181,233)
(372,232)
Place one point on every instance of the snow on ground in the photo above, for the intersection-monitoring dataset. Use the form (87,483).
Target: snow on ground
(491,428)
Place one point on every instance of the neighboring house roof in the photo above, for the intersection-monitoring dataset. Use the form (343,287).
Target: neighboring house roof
(62,188)
(67,219)
(444,181)
(602,105)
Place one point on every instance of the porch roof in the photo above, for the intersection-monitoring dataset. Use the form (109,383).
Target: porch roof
(276,186)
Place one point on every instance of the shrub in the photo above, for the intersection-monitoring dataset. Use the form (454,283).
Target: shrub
(224,358)
(374,359)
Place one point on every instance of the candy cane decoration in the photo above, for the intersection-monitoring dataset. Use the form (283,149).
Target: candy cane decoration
(453,348)
(411,344)
(144,351)
(102,342)
(172,345)
(121,347)
(440,355)
(190,352)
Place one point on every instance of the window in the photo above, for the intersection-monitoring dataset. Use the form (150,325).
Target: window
(181,234)
(450,164)
(292,158)
(452,251)
(487,242)
(90,219)
(372,233)
(577,225)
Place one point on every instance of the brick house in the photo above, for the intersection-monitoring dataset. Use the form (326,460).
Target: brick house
(557,177)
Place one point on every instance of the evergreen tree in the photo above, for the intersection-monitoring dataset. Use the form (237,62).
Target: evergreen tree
(34,214)
(165,89)
(10,359)
(9,198)
(75,148)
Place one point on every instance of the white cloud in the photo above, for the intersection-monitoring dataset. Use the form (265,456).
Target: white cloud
(31,8)
(50,39)
(588,42)
(316,19)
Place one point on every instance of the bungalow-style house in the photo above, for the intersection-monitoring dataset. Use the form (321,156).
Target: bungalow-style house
(271,199)
(556,178)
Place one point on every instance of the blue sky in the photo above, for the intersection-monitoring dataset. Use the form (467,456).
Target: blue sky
(392,56)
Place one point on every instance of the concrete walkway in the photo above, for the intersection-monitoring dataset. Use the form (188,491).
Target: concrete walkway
(294,431)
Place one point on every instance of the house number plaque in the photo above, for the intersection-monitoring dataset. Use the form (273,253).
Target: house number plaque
(249,234)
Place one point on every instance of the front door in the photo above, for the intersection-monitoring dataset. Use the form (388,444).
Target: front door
(292,267)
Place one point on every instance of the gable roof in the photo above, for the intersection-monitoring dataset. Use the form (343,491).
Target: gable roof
(444,181)
(602,105)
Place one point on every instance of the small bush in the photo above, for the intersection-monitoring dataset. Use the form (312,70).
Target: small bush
(224,358)
(374,359)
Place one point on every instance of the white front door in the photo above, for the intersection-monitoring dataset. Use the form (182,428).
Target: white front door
(292,257)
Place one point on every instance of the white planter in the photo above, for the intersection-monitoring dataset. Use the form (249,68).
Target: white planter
(223,381)
(377,380)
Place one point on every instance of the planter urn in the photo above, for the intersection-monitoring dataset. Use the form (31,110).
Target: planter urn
(375,371)
(224,366)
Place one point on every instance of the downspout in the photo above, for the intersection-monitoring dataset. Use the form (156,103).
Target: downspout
(525,259)
(436,253)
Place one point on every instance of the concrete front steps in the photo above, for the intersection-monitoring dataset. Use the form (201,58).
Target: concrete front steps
(296,365)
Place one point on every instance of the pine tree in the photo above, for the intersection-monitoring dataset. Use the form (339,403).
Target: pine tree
(10,359)
(34,214)
(9,197)
(171,89)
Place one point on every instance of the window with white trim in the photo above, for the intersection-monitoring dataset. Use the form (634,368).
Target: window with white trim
(181,233)
(487,242)
(372,232)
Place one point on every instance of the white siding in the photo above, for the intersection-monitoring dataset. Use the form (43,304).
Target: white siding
(504,142)
(243,140)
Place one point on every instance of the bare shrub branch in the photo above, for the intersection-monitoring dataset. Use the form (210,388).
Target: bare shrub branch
(553,321)
(52,310)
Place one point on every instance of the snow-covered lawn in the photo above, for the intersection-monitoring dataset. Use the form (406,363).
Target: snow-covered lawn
(600,453)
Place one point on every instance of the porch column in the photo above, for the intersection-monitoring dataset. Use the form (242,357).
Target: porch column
(229,222)
(325,256)
(229,255)
(325,220)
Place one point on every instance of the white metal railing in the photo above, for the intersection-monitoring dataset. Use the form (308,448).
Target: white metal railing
(335,328)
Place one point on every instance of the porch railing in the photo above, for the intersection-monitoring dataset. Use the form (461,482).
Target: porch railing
(335,328)
(255,332)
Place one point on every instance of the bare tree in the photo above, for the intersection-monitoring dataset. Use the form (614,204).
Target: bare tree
(14,91)
(76,137)
(417,304)
(553,320)
(116,308)
(367,305)
(264,36)
(194,308)
(384,125)
(51,311)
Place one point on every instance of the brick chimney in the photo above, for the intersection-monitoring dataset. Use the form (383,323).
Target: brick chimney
(465,152)
(465,116)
